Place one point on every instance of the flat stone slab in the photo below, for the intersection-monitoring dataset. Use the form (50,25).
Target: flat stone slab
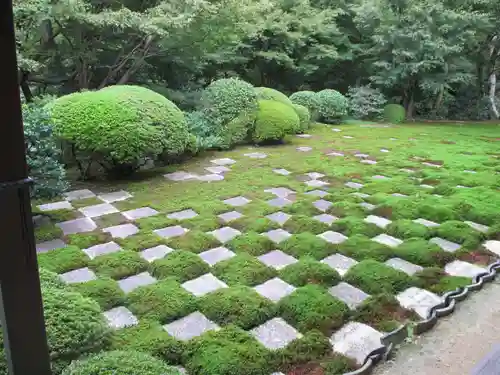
(315,175)
(98,210)
(340,263)
(470,171)
(180,176)
(368,206)
(379,177)
(354,185)
(361,195)
(316,183)
(493,246)
(277,235)
(116,196)
(216,255)
(427,223)
(356,341)
(418,300)
(256,155)
(120,317)
(387,240)
(140,213)
(227,217)
(81,275)
(304,135)
(190,326)
(133,282)
(275,334)
(182,215)
(304,148)
(360,155)
(203,285)
(279,202)
(279,217)
(403,265)
(78,194)
(280,192)
(155,253)
(425,186)
(171,232)
(380,222)
(399,195)
(334,153)
(122,231)
(348,137)
(274,289)
(317,193)
(46,246)
(225,234)
(333,237)
(211,177)
(219,169)
(277,259)
(282,171)
(384,150)
(102,249)
(326,218)
(336,130)
(77,226)
(350,295)
(368,161)
(446,245)
(63,205)
(465,269)
(479,227)
(223,161)
(322,205)
(407,170)
(237,201)
(431,165)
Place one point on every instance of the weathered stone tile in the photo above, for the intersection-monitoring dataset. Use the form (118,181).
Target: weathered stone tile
(362,156)
(407,170)
(431,165)
(280,192)
(326,218)
(81,275)
(361,195)
(479,227)
(427,223)
(399,195)
(190,326)
(77,226)
(277,235)
(282,171)
(316,183)
(334,153)
(350,295)
(223,161)
(379,177)
(63,205)
(237,201)
(122,231)
(425,186)
(225,234)
(256,155)
(340,263)
(336,130)
(140,213)
(46,246)
(332,237)
(116,196)
(387,240)
(304,148)
(102,249)
(275,334)
(493,246)
(354,185)
(277,259)
(469,171)
(180,176)
(155,253)
(322,205)
(368,161)
(317,193)
(384,150)
(446,245)
(279,217)
(120,317)
(133,282)
(98,210)
(182,215)
(78,194)
(418,300)
(368,206)
(211,177)
(279,202)
(216,255)
(274,289)
(380,222)
(304,135)
(170,232)
(203,285)
(403,265)
(348,137)
(465,269)
(219,169)
(315,175)
(230,216)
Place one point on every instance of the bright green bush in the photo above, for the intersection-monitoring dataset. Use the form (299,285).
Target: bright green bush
(303,223)
(312,346)
(422,252)
(304,117)
(361,247)
(365,102)
(332,105)
(50,279)
(119,265)
(243,269)
(309,271)
(309,100)
(461,233)
(105,291)
(266,93)
(194,241)
(307,244)
(274,121)
(181,265)
(405,228)
(351,225)
(63,260)
(120,362)
(252,243)
(394,113)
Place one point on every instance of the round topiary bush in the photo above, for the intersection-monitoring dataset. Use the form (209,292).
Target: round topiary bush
(304,117)
(119,126)
(394,113)
(267,93)
(120,362)
(309,100)
(274,120)
(332,105)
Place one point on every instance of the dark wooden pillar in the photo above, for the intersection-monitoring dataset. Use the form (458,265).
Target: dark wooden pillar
(21,310)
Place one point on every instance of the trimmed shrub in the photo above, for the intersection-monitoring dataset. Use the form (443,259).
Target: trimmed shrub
(461,233)
(422,252)
(332,105)
(307,244)
(353,225)
(120,362)
(181,265)
(406,228)
(309,271)
(243,269)
(302,223)
(85,240)
(365,102)
(312,346)
(304,117)
(195,241)
(119,265)
(105,291)
(309,100)
(251,243)
(63,260)
(361,247)
(394,113)
(437,281)
(274,121)
(47,232)
(251,224)
(140,241)
(266,93)
(50,279)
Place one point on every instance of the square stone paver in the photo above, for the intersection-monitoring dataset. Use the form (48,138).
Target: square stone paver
(280,192)
(380,222)
(356,341)
(340,263)
(326,218)
(368,206)
(350,295)
(368,161)
(304,135)
(403,265)
(332,237)
(140,213)
(63,205)
(102,249)
(216,255)
(223,161)
(317,193)
(256,155)
(336,130)
(279,202)
(182,215)
(465,269)
(354,185)
(479,227)
(304,148)
(315,175)
(130,283)
(316,183)
(78,194)
(81,275)
(116,196)
(203,285)
(277,235)
(427,223)
(122,231)
(277,259)
(281,171)
(237,201)
(419,300)
(348,137)
(190,326)
(225,234)
(230,216)
(334,153)
(431,165)
(98,210)
(493,246)
(446,245)
(379,177)
(407,170)
(279,217)
(387,240)
(171,232)
(77,226)
(399,195)
(361,195)
(384,150)
(211,177)
(275,334)
(469,171)
(425,186)
(322,205)
(362,156)
(219,169)
(274,289)
(155,253)
(46,246)
(120,317)
(180,176)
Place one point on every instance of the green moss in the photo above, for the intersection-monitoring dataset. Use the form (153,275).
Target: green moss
(302,223)
(154,222)
(361,247)
(47,232)
(302,207)
(459,232)
(405,228)
(351,226)
(347,208)
(181,265)
(251,243)
(140,241)
(437,281)
(105,291)
(253,224)
(243,269)
(110,220)
(63,260)
(374,278)
(79,203)
(422,252)
(163,301)
(119,265)
(86,240)
(307,244)
(239,305)
(49,279)
(194,241)
(58,216)
(202,223)
(337,364)
(437,212)
(312,307)
(309,271)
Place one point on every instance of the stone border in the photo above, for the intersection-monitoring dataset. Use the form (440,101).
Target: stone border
(391,339)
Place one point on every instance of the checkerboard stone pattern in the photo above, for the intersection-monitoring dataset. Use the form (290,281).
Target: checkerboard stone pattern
(190,326)
(204,284)
(274,289)
(214,256)
(120,317)
(350,295)
(277,259)
(155,253)
(46,246)
(102,249)
(171,232)
(275,334)
(446,245)
(279,217)
(403,265)
(225,234)
(77,226)
(340,263)
(133,282)
(81,275)
(333,237)
(387,240)
(277,235)
(122,231)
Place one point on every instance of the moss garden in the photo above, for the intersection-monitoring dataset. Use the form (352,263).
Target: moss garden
(300,237)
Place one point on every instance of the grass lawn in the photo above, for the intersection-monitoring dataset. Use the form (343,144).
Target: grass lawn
(327,230)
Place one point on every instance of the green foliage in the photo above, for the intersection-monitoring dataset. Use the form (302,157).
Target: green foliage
(361,247)
(312,346)
(332,105)
(181,265)
(394,113)
(309,271)
(50,279)
(307,244)
(194,241)
(303,223)
(422,252)
(63,260)
(461,233)
(274,121)
(405,229)
(304,117)
(251,243)
(437,281)
(140,241)
(120,362)
(119,265)
(47,232)
(351,226)
(337,364)
(105,291)
(307,99)
(243,269)
(266,93)
(365,102)
(202,129)
(86,240)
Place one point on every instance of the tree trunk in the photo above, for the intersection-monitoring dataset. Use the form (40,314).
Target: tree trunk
(493,87)
(411,107)
(25,87)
